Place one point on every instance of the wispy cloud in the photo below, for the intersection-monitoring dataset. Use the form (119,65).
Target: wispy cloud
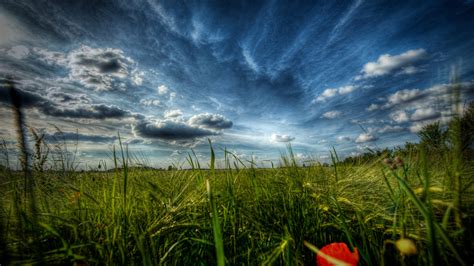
(281,138)
(332,114)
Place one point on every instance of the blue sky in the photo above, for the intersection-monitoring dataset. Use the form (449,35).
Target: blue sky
(251,76)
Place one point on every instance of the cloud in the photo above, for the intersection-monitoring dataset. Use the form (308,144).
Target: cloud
(98,68)
(410,99)
(210,121)
(170,129)
(365,137)
(387,64)
(343,138)
(389,129)
(55,94)
(434,103)
(329,93)
(93,111)
(403,96)
(177,129)
(346,89)
(162,90)
(373,107)
(137,77)
(74,136)
(424,114)
(101,69)
(65,105)
(150,102)
(281,138)
(19,52)
(331,114)
(399,116)
(173,113)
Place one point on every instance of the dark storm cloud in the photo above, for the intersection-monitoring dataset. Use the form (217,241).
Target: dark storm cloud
(48,107)
(210,121)
(93,111)
(176,128)
(74,136)
(170,130)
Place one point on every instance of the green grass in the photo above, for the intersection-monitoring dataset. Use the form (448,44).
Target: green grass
(239,216)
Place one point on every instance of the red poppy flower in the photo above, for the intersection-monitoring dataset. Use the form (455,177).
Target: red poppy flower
(339,251)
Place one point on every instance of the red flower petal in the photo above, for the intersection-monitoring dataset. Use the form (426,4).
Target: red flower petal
(338,251)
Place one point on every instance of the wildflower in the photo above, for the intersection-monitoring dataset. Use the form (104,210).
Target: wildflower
(338,251)
(406,246)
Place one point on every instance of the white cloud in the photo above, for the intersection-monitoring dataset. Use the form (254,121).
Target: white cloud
(434,103)
(424,114)
(346,89)
(365,137)
(173,113)
(329,93)
(137,78)
(281,138)
(98,68)
(403,96)
(162,90)
(373,107)
(50,57)
(399,116)
(332,114)
(410,70)
(387,64)
(101,69)
(150,102)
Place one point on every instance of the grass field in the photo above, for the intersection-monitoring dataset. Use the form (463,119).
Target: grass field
(240,214)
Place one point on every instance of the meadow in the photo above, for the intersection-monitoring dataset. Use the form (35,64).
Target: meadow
(241,215)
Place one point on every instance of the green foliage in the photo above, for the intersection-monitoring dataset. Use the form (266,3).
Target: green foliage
(247,216)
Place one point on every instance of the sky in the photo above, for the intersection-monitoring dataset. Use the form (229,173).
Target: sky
(251,76)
